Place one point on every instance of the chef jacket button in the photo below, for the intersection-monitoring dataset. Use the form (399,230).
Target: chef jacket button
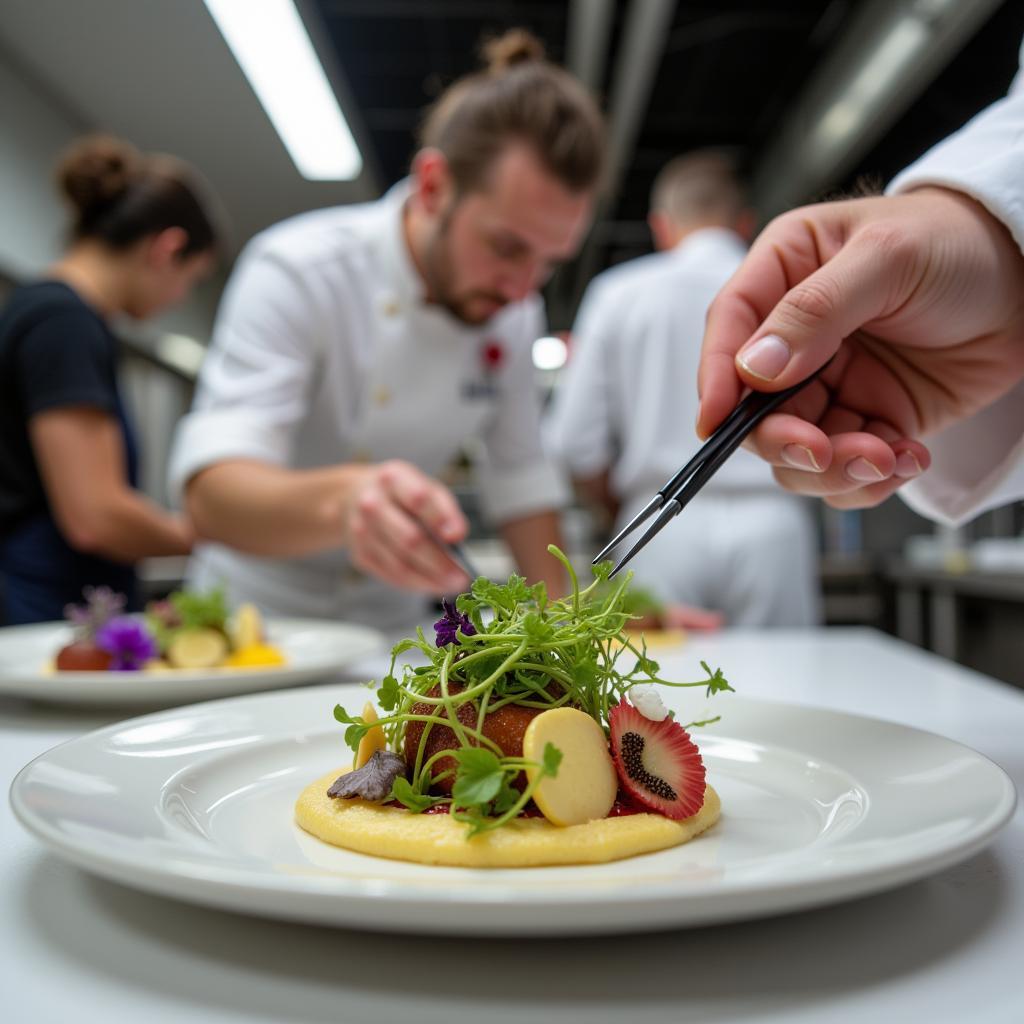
(382,396)
(390,307)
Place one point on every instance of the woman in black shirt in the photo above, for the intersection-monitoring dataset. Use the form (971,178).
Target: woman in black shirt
(69,511)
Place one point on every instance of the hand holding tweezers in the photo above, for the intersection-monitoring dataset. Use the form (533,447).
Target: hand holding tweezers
(677,492)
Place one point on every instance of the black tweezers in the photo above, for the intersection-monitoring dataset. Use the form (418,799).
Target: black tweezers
(679,491)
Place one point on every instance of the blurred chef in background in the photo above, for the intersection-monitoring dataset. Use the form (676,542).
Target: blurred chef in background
(623,418)
(70,514)
(357,349)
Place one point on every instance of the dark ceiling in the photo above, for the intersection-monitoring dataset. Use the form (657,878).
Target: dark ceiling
(977,76)
(730,72)
(399,55)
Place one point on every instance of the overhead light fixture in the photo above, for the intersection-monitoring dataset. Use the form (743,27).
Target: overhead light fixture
(874,80)
(889,51)
(276,55)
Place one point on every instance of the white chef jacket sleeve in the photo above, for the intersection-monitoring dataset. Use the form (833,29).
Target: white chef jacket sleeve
(516,477)
(578,431)
(978,464)
(254,383)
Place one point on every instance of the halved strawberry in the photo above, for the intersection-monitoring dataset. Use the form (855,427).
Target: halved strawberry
(658,763)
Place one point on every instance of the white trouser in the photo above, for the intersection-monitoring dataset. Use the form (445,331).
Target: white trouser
(751,555)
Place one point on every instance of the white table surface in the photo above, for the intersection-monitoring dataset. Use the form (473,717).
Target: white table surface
(948,948)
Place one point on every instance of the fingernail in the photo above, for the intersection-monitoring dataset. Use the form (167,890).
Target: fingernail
(765,358)
(702,435)
(907,465)
(863,472)
(799,457)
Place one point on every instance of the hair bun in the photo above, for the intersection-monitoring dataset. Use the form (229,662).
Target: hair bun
(516,46)
(96,170)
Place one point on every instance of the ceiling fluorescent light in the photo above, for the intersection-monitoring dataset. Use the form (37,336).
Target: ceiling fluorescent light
(274,51)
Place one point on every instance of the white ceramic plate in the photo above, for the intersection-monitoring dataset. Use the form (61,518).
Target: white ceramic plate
(818,806)
(313,648)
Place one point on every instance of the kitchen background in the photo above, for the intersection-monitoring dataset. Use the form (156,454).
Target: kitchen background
(821,98)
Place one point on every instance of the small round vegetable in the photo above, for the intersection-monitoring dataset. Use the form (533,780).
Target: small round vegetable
(83,656)
(586,784)
(197,648)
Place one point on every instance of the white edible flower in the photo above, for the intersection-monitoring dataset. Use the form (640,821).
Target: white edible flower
(648,702)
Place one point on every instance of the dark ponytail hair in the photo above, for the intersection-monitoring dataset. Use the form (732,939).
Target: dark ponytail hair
(120,195)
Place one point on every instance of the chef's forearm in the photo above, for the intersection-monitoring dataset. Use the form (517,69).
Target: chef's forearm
(528,538)
(272,511)
(596,491)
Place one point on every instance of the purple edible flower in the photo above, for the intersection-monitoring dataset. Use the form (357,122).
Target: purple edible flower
(101,605)
(451,621)
(128,641)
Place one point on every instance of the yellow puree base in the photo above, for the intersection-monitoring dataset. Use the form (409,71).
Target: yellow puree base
(526,842)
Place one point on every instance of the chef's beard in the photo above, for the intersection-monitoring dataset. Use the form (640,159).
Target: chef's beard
(439,268)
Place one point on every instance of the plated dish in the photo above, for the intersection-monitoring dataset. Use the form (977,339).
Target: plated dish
(312,650)
(530,732)
(187,631)
(197,804)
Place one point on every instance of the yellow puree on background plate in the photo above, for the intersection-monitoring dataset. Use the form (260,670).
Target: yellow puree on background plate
(658,637)
(394,833)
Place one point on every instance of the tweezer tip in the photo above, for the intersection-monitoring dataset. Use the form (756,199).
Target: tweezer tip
(624,561)
(653,505)
(610,546)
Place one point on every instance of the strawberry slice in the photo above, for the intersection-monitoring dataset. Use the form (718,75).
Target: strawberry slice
(658,763)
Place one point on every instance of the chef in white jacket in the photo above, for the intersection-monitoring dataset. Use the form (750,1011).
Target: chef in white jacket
(920,294)
(622,420)
(357,350)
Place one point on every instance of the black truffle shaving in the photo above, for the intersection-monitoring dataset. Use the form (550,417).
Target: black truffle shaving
(373,781)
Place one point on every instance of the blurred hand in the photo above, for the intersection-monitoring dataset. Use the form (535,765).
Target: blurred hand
(685,616)
(386,521)
(922,298)
(187,532)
